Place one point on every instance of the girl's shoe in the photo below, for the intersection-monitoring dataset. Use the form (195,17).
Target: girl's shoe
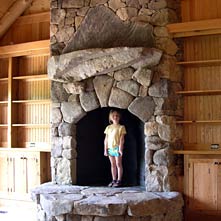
(117,184)
(112,183)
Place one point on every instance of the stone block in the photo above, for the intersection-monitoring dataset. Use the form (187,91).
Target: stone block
(66,129)
(123,74)
(56,116)
(58,94)
(95,34)
(142,107)
(109,218)
(69,154)
(97,2)
(56,205)
(73,4)
(151,128)
(163,157)
(74,87)
(116,4)
(156,5)
(129,86)
(163,17)
(159,89)
(100,206)
(143,76)
(69,142)
(144,204)
(72,112)
(103,85)
(89,101)
(167,45)
(120,99)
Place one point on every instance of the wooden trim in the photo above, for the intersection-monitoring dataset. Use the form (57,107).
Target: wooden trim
(33,18)
(32,77)
(25,149)
(43,101)
(32,125)
(199,92)
(195,28)
(3,102)
(3,79)
(197,121)
(197,152)
(200,63)
(16,9)
(29,48)
(9,102)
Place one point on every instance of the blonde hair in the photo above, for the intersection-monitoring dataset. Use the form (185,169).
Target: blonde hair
(111,114)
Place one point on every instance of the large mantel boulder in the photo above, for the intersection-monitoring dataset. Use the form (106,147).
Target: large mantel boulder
(79,65)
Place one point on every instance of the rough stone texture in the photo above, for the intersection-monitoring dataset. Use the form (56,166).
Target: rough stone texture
(72,4)
(144,204)
(74,88)
(104,36)
(123,74)
(116,4)
(129,86)
(157,4)
(72,112)
(56,116)
(107,24)
(89,101)
(103,85)
(164,17)
(143,108)
(151,128)
(159,89)
(58,94)
(143,76)
(100,206)
(163,157)
(167,45)
(69,203)
(66,129)
(54,205)
(169,69)
(120,99)
(79,65)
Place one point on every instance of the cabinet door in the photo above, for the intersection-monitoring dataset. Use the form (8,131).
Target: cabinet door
(202,185)
(33,170)
(4,172)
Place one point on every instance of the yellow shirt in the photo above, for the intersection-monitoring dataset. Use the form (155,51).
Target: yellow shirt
(114,132)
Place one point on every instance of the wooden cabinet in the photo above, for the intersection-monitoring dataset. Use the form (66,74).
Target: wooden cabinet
(21,171)
(24,119)
(203,177)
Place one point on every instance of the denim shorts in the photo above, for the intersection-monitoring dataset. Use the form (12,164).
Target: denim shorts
(113,152)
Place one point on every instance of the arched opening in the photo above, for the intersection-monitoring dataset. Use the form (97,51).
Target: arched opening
(93,168)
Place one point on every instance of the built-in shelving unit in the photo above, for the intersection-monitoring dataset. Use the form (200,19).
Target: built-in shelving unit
(25,95)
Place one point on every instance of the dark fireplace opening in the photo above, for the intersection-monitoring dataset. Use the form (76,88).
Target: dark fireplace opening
(93,168)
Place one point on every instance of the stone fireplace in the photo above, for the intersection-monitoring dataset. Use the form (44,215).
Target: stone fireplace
(114,54)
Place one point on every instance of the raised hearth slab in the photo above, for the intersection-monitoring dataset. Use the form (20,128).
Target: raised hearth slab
(75,202)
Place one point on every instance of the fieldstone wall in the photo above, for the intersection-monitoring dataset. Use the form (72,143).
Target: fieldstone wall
(137,71)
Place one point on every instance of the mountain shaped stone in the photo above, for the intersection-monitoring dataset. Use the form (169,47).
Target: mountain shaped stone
(102,28)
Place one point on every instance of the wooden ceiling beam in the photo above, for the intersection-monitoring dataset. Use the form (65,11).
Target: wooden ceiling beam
(16,9)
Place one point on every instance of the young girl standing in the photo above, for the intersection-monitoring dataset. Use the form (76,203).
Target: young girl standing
(113,147)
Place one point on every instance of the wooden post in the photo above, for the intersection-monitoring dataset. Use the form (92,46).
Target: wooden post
(10,102)
(12,14)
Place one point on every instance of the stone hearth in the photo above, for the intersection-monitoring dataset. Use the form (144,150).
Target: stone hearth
(80,203)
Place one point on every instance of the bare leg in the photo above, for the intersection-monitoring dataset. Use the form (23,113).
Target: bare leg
(119,167)
(113,168)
